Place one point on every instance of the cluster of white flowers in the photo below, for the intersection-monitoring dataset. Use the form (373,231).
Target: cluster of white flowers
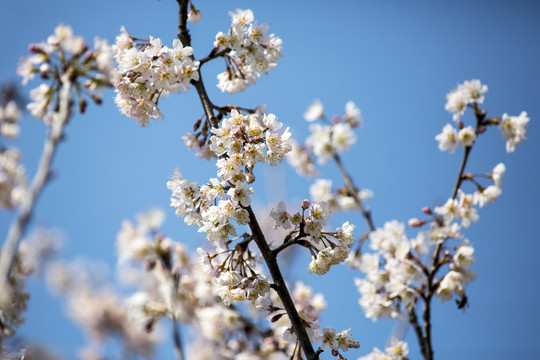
(301,160)
(395,275)
(466,94)
(32,253)
(9,120)
(391,272)
(308,305)
(191,293)
(251,52)
(342,341)
(64,53)
(240,143)
(149,71)
(327,140)
(135,243)
(470,94)
(461,208)
(454,282)
(337,199)
(396,350)
(98,310)
(311,228)
(13,182)
(450,138)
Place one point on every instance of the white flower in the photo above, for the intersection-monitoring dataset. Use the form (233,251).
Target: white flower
(314,111)
(463,258)
(497,174)
(353,114)
(342,137)
(447,139)
(321,190)
(466,136)
(473,91)
(281,216)
(487,195)
(513,129)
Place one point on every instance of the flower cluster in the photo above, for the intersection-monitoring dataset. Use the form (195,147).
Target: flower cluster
(342,341)
(99,311)
(175,285)
(471,94)
(308,231)
(337,199)
(149,71)
(248,52)
(396,350)
(327,140)
(241,142)
(302,161)
(392,271)
(66,54)
(9,119)
(466,94)
(236,273)
(308,305)
(31,255)
(13,182)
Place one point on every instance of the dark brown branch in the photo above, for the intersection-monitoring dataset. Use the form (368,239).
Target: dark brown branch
(213,55)
(413,320)
(271,261)
(183,32)
(281,288)
(436,263)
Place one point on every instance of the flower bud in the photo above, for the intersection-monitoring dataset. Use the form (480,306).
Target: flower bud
(250,178)
(460,124)
(416,223)
(305,204)
(481,129)
(426,210)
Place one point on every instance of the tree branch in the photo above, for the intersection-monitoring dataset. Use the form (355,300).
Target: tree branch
(353,191)
(19,225)
(259,238)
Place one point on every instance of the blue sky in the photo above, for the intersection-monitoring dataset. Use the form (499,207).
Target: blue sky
(396,60)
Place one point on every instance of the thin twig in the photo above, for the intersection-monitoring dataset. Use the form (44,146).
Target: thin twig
(20,224)
(212,56)
(353,191)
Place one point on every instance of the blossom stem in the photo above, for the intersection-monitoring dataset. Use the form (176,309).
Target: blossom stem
(271,261)
(213,56)
(18,226)
(178,348)
(413,320)
(281,287)
(353,191)
(435,262)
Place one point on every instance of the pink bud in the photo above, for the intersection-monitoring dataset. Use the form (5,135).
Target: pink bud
(460,124)
(426,210)
(415,223)
(305,204)
(481,129)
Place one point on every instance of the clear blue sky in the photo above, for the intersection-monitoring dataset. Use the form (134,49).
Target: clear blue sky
(396,60)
